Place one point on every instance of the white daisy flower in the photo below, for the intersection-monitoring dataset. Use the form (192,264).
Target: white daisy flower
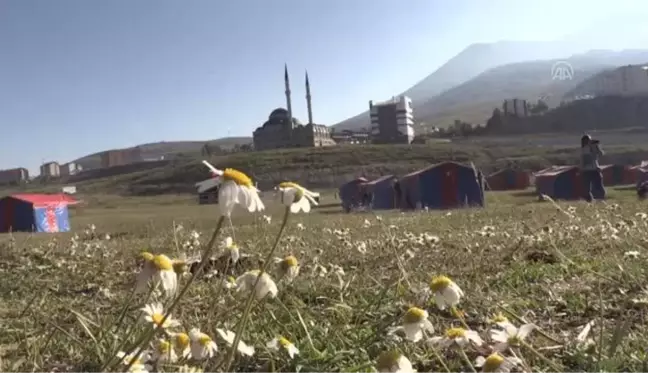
(300,226)
(154,313)
(235,188)
(362,247)
(457,336)
(266,285)
(182,343)
(268,219)
(446,292)
(159,270)
(500,320)
(229,283)
(510,335)
(229,336)
(139,365)
(202,346)
(393,362)
(281,342)
(415,323)
(497,363)
(289,267)
(296,197)
(163,352)
(229,245)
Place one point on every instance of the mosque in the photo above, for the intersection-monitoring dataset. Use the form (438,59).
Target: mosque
(282,130)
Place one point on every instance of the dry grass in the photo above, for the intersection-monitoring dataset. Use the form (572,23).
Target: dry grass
(558,266)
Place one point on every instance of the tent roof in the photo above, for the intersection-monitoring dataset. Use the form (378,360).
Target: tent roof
(379,180)
(434,166)
(555,171)
(45,199)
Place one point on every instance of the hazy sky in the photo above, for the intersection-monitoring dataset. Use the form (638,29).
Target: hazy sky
(80,76)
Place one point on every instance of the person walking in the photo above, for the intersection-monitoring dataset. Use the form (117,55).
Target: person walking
(590,169)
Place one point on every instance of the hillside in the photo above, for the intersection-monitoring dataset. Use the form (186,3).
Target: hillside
(329,167)
(625,80)
(168,148)
(599,113)
(466,65)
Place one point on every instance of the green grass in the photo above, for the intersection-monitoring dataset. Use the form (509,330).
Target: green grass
(557,266)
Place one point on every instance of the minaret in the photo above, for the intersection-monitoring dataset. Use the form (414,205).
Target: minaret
(308,101)
(288,103)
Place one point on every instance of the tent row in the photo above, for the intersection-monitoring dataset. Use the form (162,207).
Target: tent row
(441,186)
(565,182)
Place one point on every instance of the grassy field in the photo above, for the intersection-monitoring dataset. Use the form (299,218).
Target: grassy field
(558,266)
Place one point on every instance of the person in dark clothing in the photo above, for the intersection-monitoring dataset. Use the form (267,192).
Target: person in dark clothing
(642,190)
(590,169)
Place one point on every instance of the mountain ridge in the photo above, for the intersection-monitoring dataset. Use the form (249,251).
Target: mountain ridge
(467,64)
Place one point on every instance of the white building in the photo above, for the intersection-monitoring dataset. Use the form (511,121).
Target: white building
(50,169)
(70,169)
(392,122)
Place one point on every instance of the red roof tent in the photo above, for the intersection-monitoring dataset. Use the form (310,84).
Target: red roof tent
(46,199)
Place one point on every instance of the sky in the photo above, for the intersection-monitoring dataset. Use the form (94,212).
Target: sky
(82,76)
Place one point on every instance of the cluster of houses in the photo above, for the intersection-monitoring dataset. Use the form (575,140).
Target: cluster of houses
(49,170)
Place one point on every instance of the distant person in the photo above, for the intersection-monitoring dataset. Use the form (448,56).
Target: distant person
(642,190)
(590,169)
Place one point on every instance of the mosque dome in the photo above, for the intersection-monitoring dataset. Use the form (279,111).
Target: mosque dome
(278,114)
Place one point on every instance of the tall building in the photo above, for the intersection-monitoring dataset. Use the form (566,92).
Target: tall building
(50,169)
(516,107)
(282,130)
(392,122)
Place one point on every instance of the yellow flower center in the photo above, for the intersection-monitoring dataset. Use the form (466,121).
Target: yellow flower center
(453,333)
(157,318)
(182,340)
(163,263)
(164,346)
(238,177)
(440,283)
(254,272)
(387,360)
(492,362)
(299,189)
(146,256)
(204,340)
(231,279)
(290,261)
(284,342)
(499,318)
(414,315)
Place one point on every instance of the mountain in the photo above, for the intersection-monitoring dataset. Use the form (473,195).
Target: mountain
(466,65)
(473,101)
(168,148)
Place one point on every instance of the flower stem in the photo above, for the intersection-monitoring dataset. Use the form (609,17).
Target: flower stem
(554,366)
(248,306)
(462,352)
(440,359)
(455,312)
(205,258)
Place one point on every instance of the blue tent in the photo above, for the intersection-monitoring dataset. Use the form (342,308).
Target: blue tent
(381,190)
(442,186)
(35,213)
(351,193)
